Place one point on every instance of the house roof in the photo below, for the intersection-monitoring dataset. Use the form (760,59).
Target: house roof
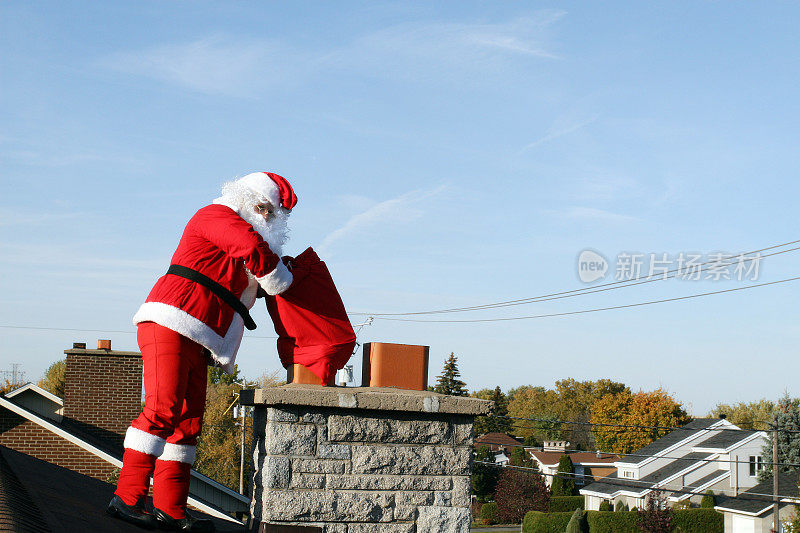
(108,451)
(552,458)
(35,388)
(725,439)
(668,440)
(705,479)
(614,483)
(754,502)
(497,439)
(39,496)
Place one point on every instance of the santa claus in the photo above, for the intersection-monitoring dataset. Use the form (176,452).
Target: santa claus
(195,315)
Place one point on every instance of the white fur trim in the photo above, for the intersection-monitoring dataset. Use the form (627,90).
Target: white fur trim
(276,281)
(223,349)
(227,202)
(142,441)
(182,453)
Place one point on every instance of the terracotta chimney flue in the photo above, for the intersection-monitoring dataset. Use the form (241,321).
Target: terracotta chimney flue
(104,344)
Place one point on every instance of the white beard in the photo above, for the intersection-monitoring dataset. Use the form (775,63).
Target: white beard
(274,231)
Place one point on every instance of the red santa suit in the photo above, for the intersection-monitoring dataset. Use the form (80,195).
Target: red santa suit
(183,321)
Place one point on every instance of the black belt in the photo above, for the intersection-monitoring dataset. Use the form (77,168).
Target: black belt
(224,294)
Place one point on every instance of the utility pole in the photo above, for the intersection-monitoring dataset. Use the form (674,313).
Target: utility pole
(776,523)
(241,461)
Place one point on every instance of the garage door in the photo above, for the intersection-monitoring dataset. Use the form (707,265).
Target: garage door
(743,524)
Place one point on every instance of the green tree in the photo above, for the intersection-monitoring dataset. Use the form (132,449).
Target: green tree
(520,457)
(785,417)
(570,400)
(219,445)
(564,481)
(605,505)
(448,381)
(53,379)
(484,477)
(708,501)
(577,522)
(645,409)
(752,415)
(494,422)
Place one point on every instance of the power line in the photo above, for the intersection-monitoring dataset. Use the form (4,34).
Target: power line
(755,496)
(595,288)
(85,330)
(595,310)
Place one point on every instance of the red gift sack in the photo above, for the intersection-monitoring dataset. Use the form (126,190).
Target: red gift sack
(310,320)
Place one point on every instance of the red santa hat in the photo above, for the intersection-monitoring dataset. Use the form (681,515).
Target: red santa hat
(272,187)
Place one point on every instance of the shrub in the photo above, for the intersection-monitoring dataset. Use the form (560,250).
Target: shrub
(656,517)
(520,491)
(708,501)
(564,504)
(685,504)
(577,522)
(697,521)
(619,506)
(489,513)
(605,505)
(610,522)
(538,522)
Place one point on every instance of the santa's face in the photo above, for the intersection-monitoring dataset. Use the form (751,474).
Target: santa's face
(269,221)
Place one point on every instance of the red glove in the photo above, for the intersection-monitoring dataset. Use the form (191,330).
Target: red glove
(288,197)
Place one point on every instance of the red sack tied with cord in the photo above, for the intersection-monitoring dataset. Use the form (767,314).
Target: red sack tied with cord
(311,321)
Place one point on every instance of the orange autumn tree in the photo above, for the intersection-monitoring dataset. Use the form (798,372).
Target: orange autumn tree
(656,408)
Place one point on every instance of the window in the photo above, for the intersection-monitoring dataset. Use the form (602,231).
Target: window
(756,465)
(627,474)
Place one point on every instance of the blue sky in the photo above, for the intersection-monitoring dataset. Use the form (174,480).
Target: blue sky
(444,155)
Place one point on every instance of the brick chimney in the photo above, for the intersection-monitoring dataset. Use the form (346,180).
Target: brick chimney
(103,389)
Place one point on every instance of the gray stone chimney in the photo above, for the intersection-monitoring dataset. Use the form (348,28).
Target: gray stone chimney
(358,460)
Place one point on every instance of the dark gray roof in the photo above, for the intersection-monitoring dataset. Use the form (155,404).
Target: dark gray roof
(705,479)
(676,465)
(668,440)
(613,483)
(753,500)
(725,439)
(60,500)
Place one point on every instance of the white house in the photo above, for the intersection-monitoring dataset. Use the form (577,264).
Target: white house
(752,510)
(707,453)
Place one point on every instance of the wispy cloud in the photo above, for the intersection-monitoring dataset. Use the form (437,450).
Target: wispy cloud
(214,65)
(563,125)
(412,49)
(591,213)
(400,209)
(232,66)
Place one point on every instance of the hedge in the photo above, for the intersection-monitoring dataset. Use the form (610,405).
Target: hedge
(539,522)
(697,521)
(565,504)
(683,521)
(489,513)
(612,522)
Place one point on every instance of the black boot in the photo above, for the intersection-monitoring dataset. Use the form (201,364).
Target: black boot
(189,523)
(135,514)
